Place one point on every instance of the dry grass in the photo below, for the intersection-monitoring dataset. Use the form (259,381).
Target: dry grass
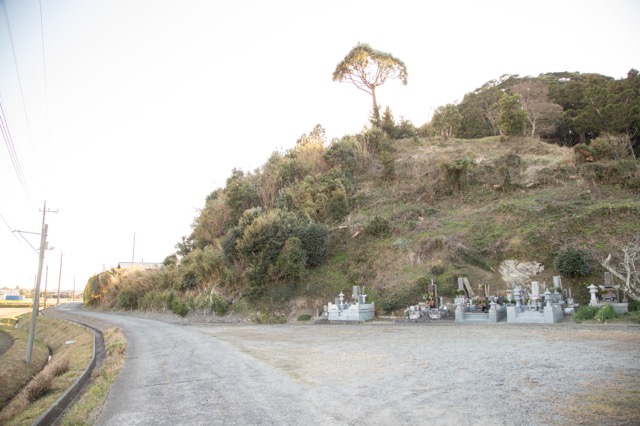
(72,348)
(607,402)
(86,410)
(15,372)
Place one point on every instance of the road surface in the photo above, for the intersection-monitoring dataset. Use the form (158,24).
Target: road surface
(366,374)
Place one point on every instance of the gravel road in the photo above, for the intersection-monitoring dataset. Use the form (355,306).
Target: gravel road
(373,374)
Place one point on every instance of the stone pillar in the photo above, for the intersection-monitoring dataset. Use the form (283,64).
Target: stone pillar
(517,295)
(593,290)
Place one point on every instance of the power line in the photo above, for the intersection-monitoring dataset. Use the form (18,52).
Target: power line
(15,61)
(9,227)
(6,133)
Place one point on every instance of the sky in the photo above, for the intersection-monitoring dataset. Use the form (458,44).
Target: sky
(125,114)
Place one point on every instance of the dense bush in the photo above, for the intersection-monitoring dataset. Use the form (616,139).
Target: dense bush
(379,227)
(585,313)
(315,240)
(289,265)
(573,262)
(605,313)
(128,299)
(219,305)
(179,307)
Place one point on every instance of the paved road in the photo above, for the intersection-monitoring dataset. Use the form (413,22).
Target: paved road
(177,375)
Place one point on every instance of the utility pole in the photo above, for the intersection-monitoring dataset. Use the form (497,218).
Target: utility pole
(36,296)
(133,254)
(46,280)
(60,274)
(59,278)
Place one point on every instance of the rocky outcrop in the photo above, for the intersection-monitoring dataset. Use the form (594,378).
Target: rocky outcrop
(516,273)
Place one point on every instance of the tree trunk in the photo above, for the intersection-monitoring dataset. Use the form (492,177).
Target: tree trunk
(376,110)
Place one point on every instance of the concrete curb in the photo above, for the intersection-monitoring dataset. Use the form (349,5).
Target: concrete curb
(58,407)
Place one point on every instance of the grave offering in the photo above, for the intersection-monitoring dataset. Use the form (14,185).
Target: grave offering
(356,310)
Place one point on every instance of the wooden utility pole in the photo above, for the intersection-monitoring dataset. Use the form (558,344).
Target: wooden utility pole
(60,277)
(36,296)
(46,280)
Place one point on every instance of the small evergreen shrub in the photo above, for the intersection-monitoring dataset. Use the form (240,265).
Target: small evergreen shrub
(219,305)
(128,299)
(379,227)
(573,262)
(585,313)
(305,317)
(606,313)
(179,307)
(390,305)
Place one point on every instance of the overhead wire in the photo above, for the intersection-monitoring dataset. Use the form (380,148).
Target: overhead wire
(46,91)
(15,61)
(6,134)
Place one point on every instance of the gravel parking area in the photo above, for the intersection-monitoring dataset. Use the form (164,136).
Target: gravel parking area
(448,373)
(440,372)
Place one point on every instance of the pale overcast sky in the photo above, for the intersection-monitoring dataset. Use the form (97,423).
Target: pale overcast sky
(127,113)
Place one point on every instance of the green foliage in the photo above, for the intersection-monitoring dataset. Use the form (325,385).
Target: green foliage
(611,147)
(585,313)
(377,140)
(304,317)
(228,243)
(367,69)
(573,262)
(179,307)
(315,240)
(170,261)
(388,165)
(128,299)
(241,194)
(341,155)
(388,123)
(605,313)
(390,305)
(513,119)
(289,265)
(447,120)
(379,227)
(455,174)
(219,305)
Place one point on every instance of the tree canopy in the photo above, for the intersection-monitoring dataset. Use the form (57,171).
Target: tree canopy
(367,69)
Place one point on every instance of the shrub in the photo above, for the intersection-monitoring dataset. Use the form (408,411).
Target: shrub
(179,307)
(290,263)
(305,317)
(606,313)
(390,305)
(219,305)
(456,174)
(379,227)
(585,313)
(573,262)
(611,147)
(388,165)
(128,299)
(315,240)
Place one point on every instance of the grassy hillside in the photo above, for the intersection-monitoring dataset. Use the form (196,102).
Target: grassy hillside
(421,209)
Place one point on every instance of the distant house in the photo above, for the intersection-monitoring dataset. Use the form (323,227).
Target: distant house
(139,265)
(10,294)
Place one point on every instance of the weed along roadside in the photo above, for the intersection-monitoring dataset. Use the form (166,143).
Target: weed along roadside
(64,357)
